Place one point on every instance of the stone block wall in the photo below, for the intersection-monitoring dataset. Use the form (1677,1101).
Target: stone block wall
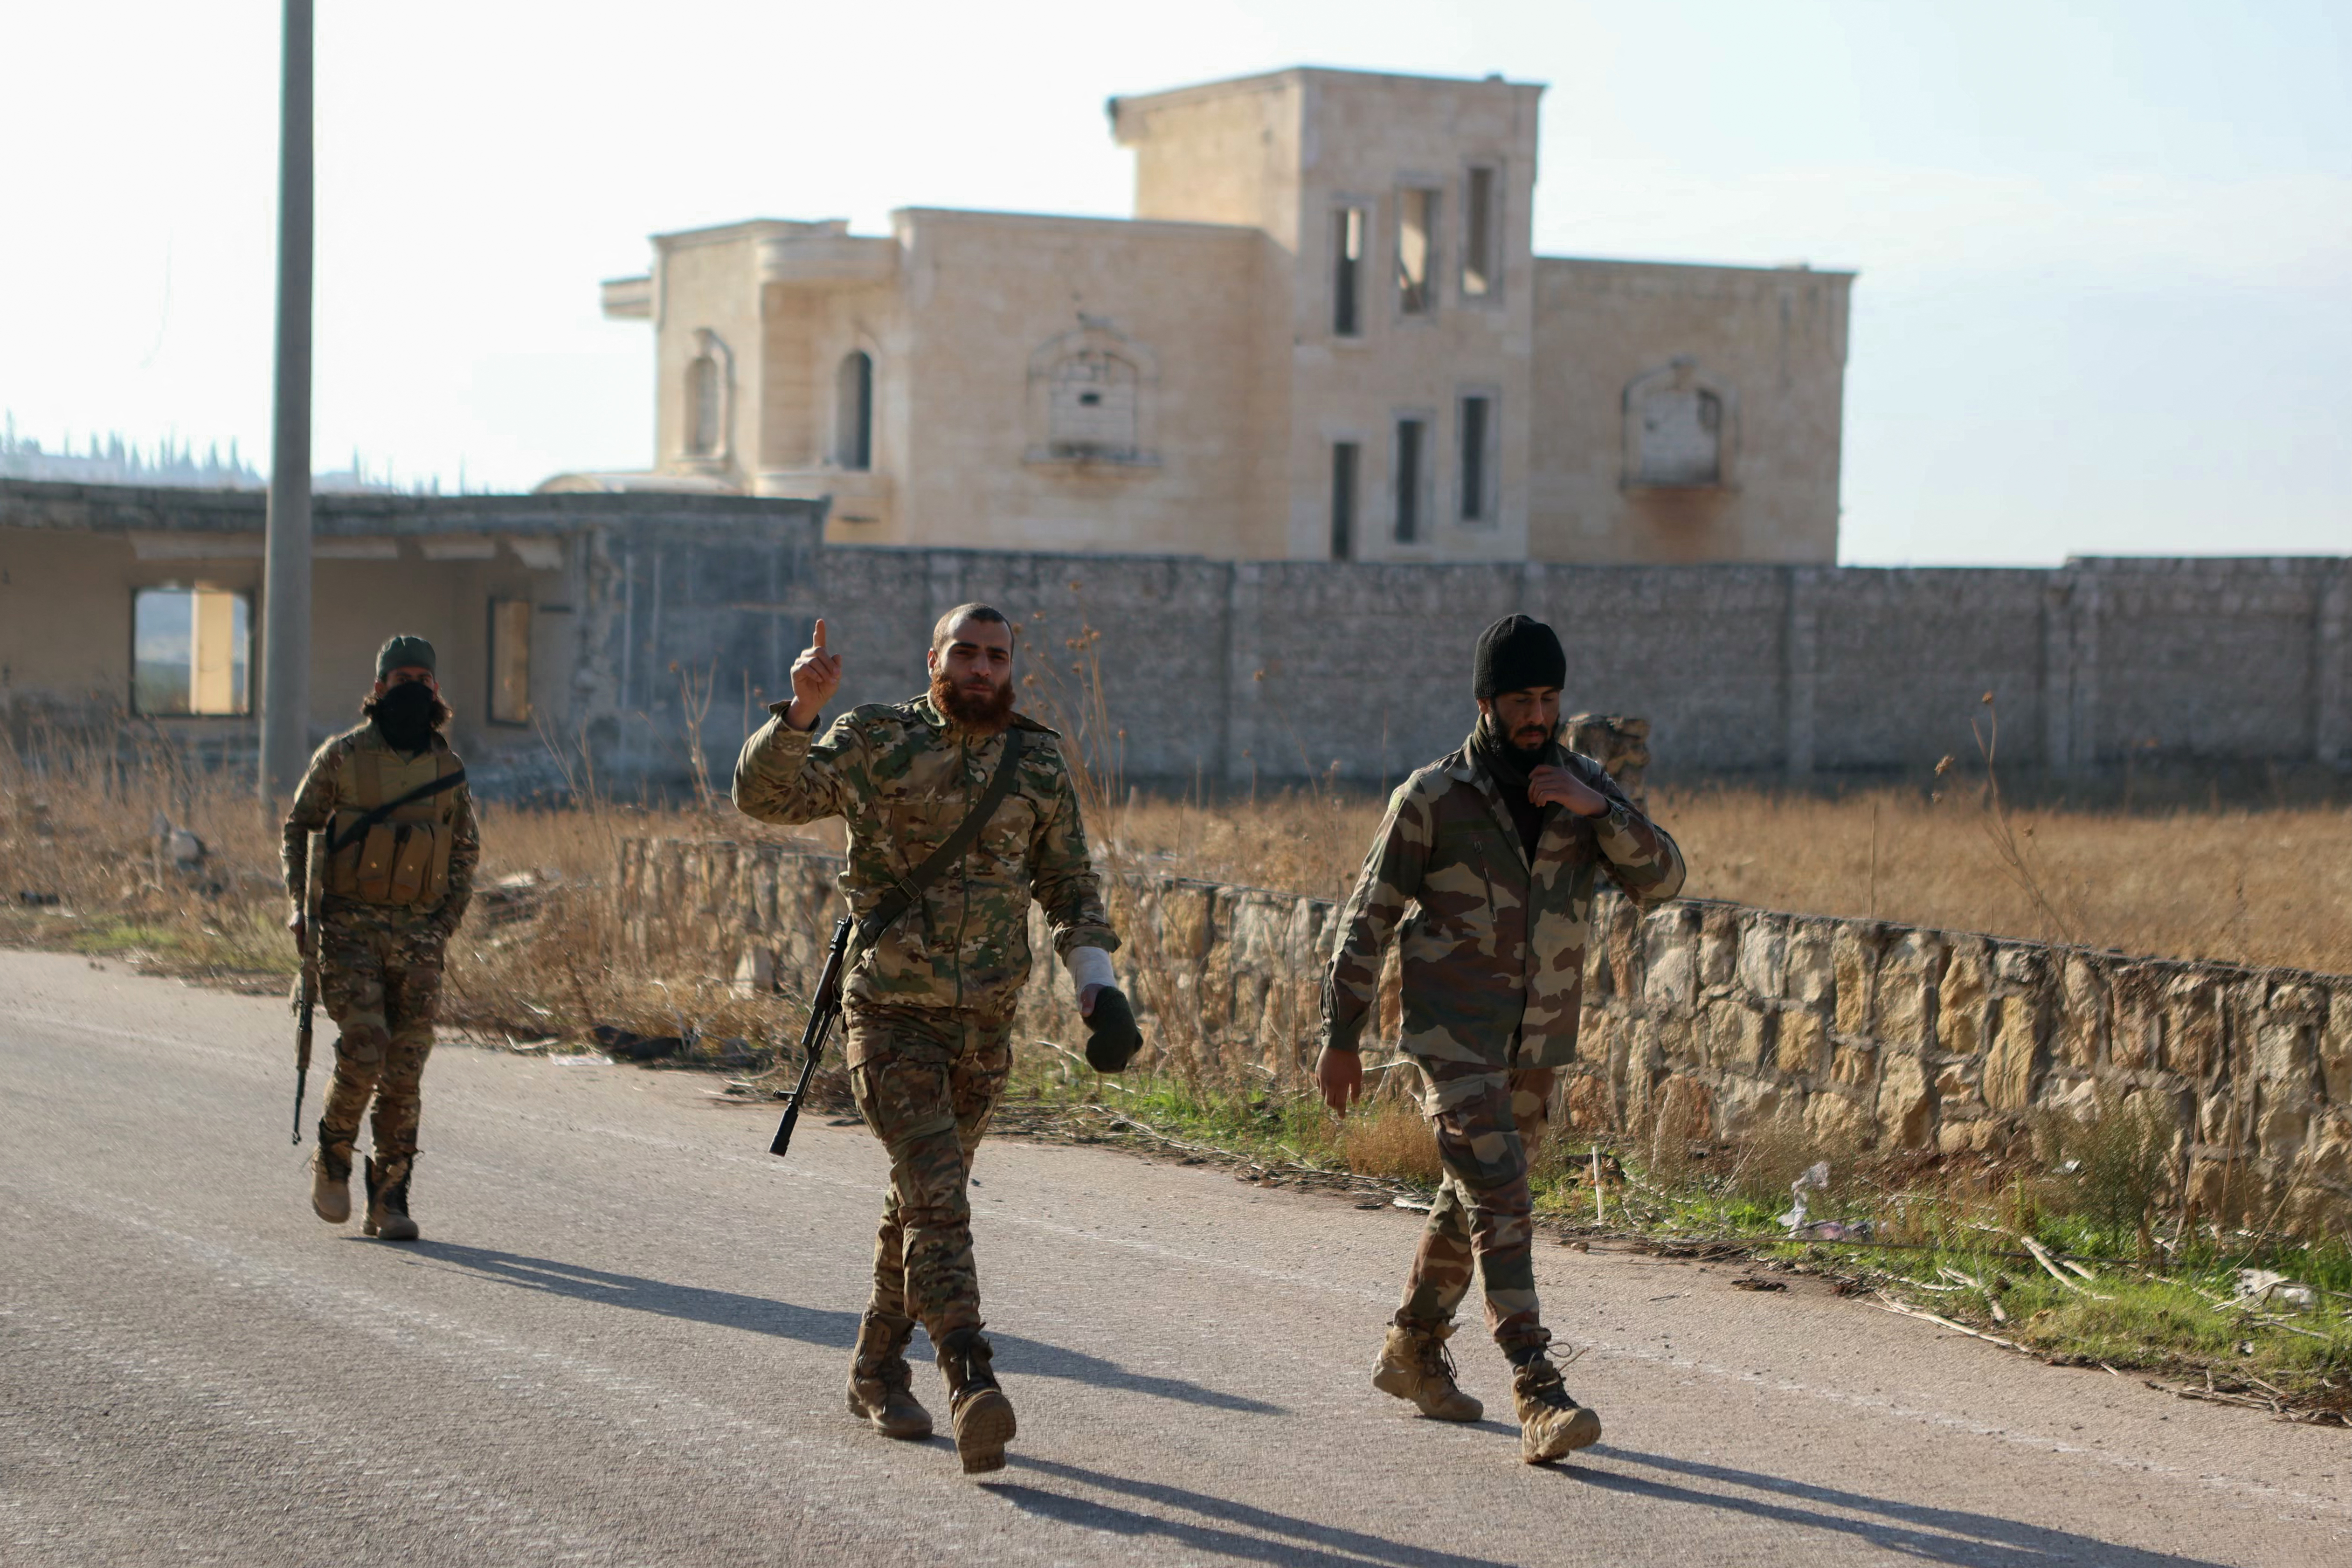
(1707,1021)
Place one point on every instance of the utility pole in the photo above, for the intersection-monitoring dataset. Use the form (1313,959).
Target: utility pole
(286,601)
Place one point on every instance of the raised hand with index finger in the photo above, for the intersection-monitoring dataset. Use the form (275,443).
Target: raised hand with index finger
(816,676)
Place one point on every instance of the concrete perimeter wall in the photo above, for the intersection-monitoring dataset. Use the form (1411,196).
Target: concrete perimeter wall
(1276,670)
(1706,1020)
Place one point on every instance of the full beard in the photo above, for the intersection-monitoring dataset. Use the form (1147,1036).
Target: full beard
(980,715)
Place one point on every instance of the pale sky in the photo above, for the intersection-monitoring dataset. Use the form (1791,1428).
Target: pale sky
(2106,248)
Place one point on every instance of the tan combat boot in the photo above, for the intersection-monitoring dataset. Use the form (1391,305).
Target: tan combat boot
(1551,1423)
(387,1189)
(331,1179)
(881,1383)
(984,1416)
(1414,1364)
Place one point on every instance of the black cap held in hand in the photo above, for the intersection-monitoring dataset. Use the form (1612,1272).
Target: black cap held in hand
(1112,1038)
(1518,654)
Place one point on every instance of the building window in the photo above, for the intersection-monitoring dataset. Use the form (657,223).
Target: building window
(1091,413)
(1348,272)
(1475,461)
(853,411)
(1482,249)
(190,652)
(1679,428)
(509,661)
(710,384)
(1412,470)
(1416,249)
(1343,499)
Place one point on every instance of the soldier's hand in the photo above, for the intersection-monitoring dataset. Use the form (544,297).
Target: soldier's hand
(1340,1075)
(816,676)
(1549,786)
(296,927)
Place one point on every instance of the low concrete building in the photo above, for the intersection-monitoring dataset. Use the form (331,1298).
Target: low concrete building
(1324,334)
(562,623)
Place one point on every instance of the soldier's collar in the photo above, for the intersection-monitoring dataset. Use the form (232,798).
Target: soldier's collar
(929,712)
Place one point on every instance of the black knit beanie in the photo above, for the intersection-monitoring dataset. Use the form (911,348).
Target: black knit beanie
(1515,655)
(404,653)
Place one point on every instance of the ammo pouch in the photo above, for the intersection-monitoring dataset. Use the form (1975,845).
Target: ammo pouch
(391,844)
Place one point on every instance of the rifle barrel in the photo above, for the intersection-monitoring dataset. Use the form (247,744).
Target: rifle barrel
(822,1008)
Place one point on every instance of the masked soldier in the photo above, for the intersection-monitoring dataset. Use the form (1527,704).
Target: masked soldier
(1496,850)
(401,849)
(929,1004)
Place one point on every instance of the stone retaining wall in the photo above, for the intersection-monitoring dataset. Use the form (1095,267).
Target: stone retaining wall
(1707,1020)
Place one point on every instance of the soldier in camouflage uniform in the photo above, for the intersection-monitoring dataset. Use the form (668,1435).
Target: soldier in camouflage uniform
(1487,861)
(930,1005)
(392,897)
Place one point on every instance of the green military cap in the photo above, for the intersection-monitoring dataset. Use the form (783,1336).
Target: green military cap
(404,653)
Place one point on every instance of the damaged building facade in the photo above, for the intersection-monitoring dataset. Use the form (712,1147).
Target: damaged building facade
(1323,334)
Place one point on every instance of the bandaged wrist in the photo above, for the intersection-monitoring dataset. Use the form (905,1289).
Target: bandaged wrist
(1089,967)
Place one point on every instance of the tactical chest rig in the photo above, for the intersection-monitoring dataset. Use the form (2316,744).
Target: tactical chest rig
(389,842)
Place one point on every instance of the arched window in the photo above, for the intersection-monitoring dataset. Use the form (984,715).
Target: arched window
(1091,407)
(709,381)
(1679,429)
(853,411)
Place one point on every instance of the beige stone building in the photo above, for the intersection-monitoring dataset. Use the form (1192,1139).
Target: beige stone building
(1324,334)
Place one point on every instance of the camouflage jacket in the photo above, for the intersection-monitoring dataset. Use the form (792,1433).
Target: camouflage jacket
(329,788)
(905,777)
(1493,947)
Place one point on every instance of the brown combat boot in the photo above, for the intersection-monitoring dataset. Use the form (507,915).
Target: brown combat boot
(881,1383)
(387,1189)
(1414,1364)
(1551,1423)
(984,1416)
(331,1179)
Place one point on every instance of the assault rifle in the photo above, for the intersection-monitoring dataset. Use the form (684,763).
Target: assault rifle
(306,984)
(824,1008)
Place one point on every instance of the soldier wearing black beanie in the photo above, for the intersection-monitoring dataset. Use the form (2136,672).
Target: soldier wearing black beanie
(1517,653)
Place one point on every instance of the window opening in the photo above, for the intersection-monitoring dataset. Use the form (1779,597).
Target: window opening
(853,443)
(1343,500)
(702,406)
(190,652)
(509,661)
(1091,406)
(1347,271)
(1682,436)
(1476,425)
(1478,247)
(1416,249)
(1408,480)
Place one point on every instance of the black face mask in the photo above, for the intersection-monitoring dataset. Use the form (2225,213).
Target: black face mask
(404,716)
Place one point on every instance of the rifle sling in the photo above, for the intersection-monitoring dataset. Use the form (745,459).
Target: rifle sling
(337,843)
(901,898)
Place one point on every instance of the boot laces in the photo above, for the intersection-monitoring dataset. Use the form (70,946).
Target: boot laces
(1539,1371)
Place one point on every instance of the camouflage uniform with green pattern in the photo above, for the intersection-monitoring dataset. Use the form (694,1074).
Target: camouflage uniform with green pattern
(930,1005)
(1493,958)
(379,964)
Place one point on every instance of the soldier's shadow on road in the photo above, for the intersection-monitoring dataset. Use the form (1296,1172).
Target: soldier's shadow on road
(810,1325)
(1921,1530)
(1297,1541)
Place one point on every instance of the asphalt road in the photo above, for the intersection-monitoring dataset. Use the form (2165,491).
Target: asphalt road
(623,1340)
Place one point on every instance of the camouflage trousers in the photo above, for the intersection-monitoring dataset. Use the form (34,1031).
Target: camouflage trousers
(926,1081)
(1489,1127)
(379,977)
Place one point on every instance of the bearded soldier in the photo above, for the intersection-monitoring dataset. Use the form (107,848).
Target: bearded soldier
(929,1004)
(1493,849)
(401,848)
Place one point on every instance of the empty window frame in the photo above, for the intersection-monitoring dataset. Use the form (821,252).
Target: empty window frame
(1091,407)
(702,394)
(1477,448)
(853,411)
(509,661)
(1417,212)
(1348,230)
(1482,232)
(190,652)
(1411,476)
(1681,436)
(1344,462)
